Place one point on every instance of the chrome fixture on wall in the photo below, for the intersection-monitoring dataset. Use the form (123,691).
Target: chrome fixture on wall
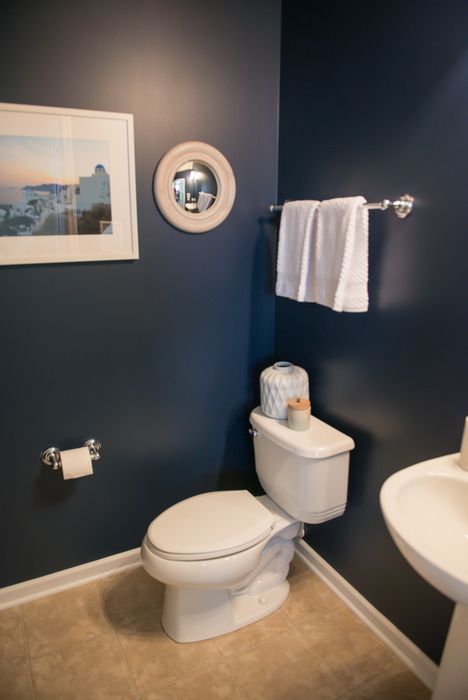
(51,456)
(402,206)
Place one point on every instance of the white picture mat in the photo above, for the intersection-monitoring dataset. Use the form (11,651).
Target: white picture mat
(114,128)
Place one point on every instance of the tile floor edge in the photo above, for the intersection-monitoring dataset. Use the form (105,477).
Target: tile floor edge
(35,588)
(421,665)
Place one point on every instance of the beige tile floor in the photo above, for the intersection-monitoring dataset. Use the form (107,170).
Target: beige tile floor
(103,641)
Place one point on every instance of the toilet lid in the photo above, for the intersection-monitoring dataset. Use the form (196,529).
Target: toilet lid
(210,525)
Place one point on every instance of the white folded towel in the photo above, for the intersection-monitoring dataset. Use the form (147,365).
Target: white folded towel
(205,199)
(335,270)
(297,219)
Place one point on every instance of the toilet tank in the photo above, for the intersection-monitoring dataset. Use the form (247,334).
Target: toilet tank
(305,472)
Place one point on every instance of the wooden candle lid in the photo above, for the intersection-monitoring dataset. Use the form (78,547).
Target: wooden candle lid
(299,404)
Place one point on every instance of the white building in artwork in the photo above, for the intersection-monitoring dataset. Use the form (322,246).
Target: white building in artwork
(68,197)
(35,194)
(93,189)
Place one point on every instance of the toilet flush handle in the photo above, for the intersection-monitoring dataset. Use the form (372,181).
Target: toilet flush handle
(253,433)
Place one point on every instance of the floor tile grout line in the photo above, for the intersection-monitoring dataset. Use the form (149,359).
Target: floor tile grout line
(76,645)
(361,686)
(236,682)
(322,661)
(321,614)
(82,641)
(303,634)
(254,645)
(222,657)
(184,677)
(245,650)
(144,616)
(274,634)
(133,685)
(368,681)
(27,655)
(316,653)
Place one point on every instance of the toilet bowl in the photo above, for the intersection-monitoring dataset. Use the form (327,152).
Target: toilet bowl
(224,556)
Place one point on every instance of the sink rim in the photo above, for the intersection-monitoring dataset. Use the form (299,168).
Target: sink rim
(428,564)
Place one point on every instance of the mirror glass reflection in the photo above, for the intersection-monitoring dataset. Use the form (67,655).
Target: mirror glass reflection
(194,186)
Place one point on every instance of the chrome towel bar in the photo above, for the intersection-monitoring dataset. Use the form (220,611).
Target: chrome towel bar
(402,206)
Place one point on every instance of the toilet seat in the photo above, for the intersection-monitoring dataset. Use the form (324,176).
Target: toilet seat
(209,526)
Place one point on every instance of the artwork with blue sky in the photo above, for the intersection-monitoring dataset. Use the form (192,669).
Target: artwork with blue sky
(52,186)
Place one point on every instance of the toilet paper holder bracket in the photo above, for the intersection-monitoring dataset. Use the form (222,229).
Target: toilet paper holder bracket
(51,456)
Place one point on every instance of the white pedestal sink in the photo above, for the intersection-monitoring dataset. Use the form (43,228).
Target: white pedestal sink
(425,508)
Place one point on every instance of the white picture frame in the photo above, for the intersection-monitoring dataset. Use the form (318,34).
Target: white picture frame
(57,220)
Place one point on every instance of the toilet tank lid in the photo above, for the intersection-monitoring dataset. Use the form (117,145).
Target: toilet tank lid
(211,524)
(318,442)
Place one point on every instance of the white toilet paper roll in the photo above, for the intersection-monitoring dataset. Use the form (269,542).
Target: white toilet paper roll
(76,463)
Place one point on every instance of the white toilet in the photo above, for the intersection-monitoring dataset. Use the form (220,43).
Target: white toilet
(224,556)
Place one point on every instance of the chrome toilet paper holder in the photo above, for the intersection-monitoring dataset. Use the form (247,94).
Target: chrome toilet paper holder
(51,456)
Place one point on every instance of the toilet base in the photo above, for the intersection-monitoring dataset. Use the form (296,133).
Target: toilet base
(191,615)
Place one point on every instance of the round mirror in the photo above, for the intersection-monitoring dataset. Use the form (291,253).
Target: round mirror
(194,187)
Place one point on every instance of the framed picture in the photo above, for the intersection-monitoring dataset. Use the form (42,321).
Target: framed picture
(67,185)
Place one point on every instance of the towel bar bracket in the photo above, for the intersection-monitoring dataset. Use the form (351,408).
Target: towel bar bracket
(403,206)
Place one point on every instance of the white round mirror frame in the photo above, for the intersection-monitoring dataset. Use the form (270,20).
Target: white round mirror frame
(164,192)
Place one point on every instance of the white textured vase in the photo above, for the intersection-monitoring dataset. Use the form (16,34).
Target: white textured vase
(280,382)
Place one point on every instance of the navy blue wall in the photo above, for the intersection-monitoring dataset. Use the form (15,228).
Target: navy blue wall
(157,358)
(374,102)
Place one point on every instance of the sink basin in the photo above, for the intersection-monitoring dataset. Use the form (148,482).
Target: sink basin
(426,510)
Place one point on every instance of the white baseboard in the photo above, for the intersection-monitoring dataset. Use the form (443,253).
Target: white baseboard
(68,578)
(421,665)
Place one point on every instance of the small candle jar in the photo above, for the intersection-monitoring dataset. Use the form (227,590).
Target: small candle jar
(299,414)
